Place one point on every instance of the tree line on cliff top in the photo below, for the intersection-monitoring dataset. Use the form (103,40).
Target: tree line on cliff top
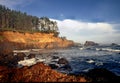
(17,21)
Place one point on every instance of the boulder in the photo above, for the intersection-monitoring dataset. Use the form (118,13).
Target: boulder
(53,66)
(31,56)
(9,60)
(102,75)
(66,68)
(55,57)
(62,61)
(21,56)
(113,44)
(90,43)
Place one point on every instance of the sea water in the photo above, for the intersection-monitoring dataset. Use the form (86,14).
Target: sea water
(82,59)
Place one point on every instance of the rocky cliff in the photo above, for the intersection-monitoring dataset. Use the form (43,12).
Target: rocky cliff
(10,40)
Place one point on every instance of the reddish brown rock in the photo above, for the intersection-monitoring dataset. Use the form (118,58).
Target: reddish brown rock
(37,73)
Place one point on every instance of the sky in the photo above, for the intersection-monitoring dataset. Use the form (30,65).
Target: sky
(78,20)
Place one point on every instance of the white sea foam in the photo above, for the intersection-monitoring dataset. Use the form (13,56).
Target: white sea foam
(27,62)
(19,51)
(90,61)
(110,50)
(82,48)
(99,63)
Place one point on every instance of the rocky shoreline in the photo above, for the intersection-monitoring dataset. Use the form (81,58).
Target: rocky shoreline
(10,42)
(41,72)
(36,73)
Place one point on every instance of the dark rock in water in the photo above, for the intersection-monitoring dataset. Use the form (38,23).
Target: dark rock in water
(90,43)
(113,44)
(102,75)
(62,61)
(55,57)
(9,60)
(53,66)
(31,56)
(66,67)
(55,53)
(21,56)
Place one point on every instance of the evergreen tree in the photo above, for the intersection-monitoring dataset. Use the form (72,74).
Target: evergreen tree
(18,21)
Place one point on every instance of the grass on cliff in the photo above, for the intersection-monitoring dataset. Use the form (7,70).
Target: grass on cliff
(56,34)
(1,37)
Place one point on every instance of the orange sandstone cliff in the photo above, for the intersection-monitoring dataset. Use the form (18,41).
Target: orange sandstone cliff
(10,40)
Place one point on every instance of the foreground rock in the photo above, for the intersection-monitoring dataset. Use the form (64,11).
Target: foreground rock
(43,73)
(102,75)
(37,73)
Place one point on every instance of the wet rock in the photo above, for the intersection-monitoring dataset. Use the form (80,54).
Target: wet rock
(21,56)
(55,57)
(102,75)
(66,67)
(10,60)
(53,66)
(31,56)
(62,61)
(55,53)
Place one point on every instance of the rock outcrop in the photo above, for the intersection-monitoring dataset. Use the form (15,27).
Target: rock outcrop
(43,73)
(37,73)
(90,43)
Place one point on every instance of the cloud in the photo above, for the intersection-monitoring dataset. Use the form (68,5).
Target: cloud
(13,3)
(80,31)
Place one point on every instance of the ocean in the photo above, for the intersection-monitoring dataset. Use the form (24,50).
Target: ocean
(82,59)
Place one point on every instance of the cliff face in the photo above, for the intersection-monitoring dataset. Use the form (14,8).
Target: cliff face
(17,40)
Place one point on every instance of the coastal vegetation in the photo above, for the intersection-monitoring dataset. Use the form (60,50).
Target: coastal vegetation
(12,20)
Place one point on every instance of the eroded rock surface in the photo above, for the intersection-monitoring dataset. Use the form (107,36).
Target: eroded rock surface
(36,73)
